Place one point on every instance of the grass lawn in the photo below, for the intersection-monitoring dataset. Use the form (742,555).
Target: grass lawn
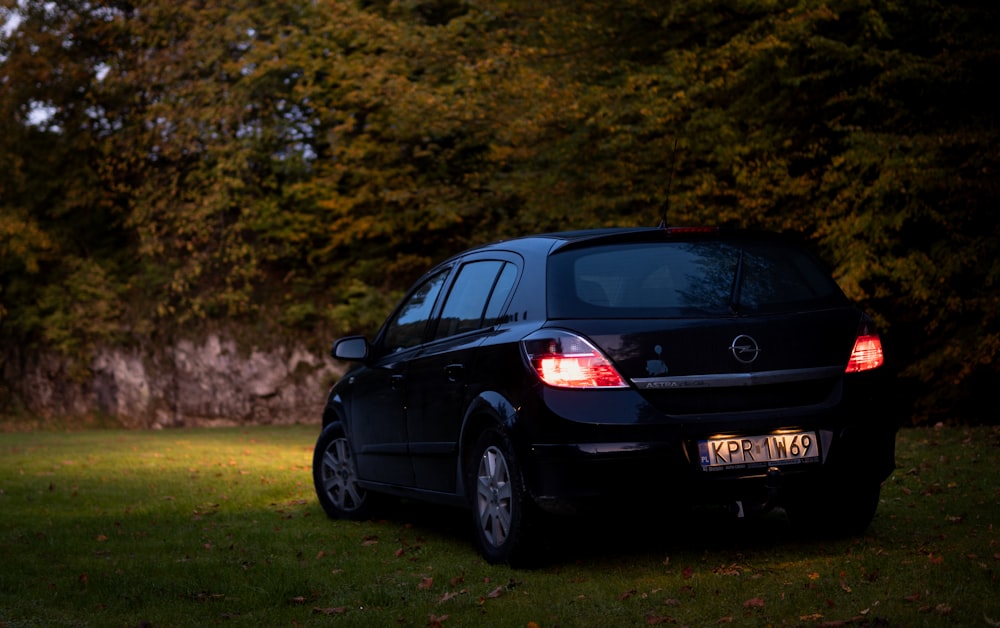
(107,527)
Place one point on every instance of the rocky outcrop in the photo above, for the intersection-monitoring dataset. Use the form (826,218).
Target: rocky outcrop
(208,382)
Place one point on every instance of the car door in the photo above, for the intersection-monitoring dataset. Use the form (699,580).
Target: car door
(378,391)
(438,382)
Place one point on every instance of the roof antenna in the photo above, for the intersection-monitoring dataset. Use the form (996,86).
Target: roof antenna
(665,206)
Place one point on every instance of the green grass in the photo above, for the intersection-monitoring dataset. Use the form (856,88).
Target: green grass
(221,526)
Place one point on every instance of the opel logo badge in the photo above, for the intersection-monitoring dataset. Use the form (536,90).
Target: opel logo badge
(744,349)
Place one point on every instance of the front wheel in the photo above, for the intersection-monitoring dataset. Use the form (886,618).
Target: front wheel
(336,478)
(502,513)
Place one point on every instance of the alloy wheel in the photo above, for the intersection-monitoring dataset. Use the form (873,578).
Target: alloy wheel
(494,501)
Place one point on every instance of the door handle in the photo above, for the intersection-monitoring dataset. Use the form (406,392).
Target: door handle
(396,381)
(455,372)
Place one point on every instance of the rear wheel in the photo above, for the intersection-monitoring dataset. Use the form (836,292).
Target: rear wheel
(335,477)
(502,513)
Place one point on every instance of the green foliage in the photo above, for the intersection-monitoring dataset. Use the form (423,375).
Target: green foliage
(206,526)
(361,305)
(80,311)
(220,162)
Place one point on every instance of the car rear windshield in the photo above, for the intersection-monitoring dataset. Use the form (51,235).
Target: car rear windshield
(683,279)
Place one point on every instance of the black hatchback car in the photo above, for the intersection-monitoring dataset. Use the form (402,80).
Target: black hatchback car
(616,368)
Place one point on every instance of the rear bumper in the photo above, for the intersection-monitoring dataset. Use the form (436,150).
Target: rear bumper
(614,449)
(567,478)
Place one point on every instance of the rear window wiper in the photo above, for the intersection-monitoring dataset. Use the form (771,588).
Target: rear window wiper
(734,291)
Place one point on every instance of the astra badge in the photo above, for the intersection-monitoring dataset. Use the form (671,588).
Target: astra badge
(744,349)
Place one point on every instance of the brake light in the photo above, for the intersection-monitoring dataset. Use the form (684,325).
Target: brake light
(867,353)
(565,360)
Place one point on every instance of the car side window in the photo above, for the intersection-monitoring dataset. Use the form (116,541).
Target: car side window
(407,328)
(476,287)
(505,283)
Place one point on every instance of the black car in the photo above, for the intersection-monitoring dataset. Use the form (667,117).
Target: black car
(615,368)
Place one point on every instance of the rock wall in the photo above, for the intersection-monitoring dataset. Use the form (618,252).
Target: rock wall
(209,382)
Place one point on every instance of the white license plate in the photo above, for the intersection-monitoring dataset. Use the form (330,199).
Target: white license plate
(746,452)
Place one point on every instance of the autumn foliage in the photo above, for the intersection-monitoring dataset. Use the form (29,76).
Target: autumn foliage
(166,164)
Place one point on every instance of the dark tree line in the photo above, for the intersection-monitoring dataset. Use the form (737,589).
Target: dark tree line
(173,164)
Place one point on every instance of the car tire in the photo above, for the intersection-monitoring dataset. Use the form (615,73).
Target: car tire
(844,511)
(502,513)
(336,478)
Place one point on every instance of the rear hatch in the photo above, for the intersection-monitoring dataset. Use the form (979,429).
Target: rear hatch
(708,324)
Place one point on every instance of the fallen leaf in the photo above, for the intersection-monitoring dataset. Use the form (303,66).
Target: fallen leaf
(687,573)
(335,610)
(495,593)
(425,583)
(655,620)
(626,595)
(754,602)
(811,617)
(729,570)
(436,620)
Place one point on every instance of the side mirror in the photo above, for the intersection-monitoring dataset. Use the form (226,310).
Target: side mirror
(351,349)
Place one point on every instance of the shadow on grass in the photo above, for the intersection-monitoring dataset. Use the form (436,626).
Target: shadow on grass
(645,535)
(599,537)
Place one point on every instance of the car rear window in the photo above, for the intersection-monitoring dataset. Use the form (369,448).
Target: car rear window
(680,279)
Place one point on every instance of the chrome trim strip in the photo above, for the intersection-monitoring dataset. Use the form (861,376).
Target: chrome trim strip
(727,380)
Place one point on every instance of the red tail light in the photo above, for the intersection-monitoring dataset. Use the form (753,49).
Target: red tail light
(867,353)
(566,360)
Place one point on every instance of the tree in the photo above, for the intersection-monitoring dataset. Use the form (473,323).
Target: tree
(61,227)
(866,127)
(166,165)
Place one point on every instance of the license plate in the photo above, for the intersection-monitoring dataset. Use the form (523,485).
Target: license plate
(747,452)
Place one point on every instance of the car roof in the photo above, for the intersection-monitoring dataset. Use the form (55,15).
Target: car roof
(545,244)
(552,239)
(548,242)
